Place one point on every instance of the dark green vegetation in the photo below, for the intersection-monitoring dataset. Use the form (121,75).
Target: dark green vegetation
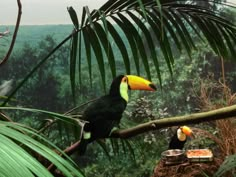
(49,87)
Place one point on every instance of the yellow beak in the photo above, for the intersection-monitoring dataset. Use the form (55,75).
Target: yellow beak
(139,83)
(187,131)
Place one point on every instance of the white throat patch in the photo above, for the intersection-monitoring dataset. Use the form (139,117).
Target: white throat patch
(181,136)
(124,91)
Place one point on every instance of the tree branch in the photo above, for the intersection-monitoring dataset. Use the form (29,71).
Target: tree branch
(15,33)
(222,113)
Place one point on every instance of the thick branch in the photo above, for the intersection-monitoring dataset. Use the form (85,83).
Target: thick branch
(15,33)
(222,113)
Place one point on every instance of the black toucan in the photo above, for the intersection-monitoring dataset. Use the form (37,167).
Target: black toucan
(180,137)
(104,114)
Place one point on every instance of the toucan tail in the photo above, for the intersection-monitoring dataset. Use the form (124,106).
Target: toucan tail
(82,146)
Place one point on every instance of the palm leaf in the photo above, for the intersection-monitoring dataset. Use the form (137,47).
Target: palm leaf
(16,161)
(73,52)
(139,43)
(97,48)
(131,41)
(187,19)
(151,45)
(61,117)
(171,15)
(120,44)
(102,34)
(228,164)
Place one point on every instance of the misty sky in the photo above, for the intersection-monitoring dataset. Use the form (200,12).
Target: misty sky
(44,11)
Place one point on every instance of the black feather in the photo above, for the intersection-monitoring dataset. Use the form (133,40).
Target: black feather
(103,115)
(175,143)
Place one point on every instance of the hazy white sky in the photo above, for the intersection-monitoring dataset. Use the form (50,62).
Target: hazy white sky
(44,11)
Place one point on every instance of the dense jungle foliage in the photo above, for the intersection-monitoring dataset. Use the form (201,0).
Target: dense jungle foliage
(202,82)
(49,89)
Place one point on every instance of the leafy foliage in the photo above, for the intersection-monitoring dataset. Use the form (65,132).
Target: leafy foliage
(15,139)
(229,164)
(148,37)
(173,21)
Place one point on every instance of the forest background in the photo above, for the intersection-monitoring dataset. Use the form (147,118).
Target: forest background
(50,89)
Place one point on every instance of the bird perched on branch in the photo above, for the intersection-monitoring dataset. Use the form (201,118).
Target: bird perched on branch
(105,114)
(180,137)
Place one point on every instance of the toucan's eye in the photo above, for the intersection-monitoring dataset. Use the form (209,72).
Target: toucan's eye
(125,79)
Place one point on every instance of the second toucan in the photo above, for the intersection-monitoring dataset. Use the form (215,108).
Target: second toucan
(180,137)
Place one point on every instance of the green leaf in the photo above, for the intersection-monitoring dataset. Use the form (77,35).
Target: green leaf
(73,55)
(94,42)
(152,47)
(178,30)
(162,40)
(83,17)
(120,44)
(159,6)
(103,36)
(73,17)
(208,35)
(191,24)
(80,58)
(131,41)
(149,40)
(109,6)
(138,42)
(17,162)
(184,31)
(62,117)
(228,164)
(89,19)
(73,52)
(219,40)
(88,52)
(142,8)
(12,133)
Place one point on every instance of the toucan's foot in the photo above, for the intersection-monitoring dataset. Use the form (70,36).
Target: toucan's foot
(113,129)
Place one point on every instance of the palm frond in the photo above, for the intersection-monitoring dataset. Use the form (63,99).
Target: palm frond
(65,118)
(228,165)
(172,21)
(16,141)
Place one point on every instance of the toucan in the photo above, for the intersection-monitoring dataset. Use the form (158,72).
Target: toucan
(104,115)
(180,137)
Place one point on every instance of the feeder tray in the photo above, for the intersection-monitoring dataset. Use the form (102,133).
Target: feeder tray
(199,155)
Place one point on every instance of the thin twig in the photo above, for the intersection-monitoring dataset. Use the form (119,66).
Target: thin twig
(5,117)
(69,150)
(14,34)
(77,107)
